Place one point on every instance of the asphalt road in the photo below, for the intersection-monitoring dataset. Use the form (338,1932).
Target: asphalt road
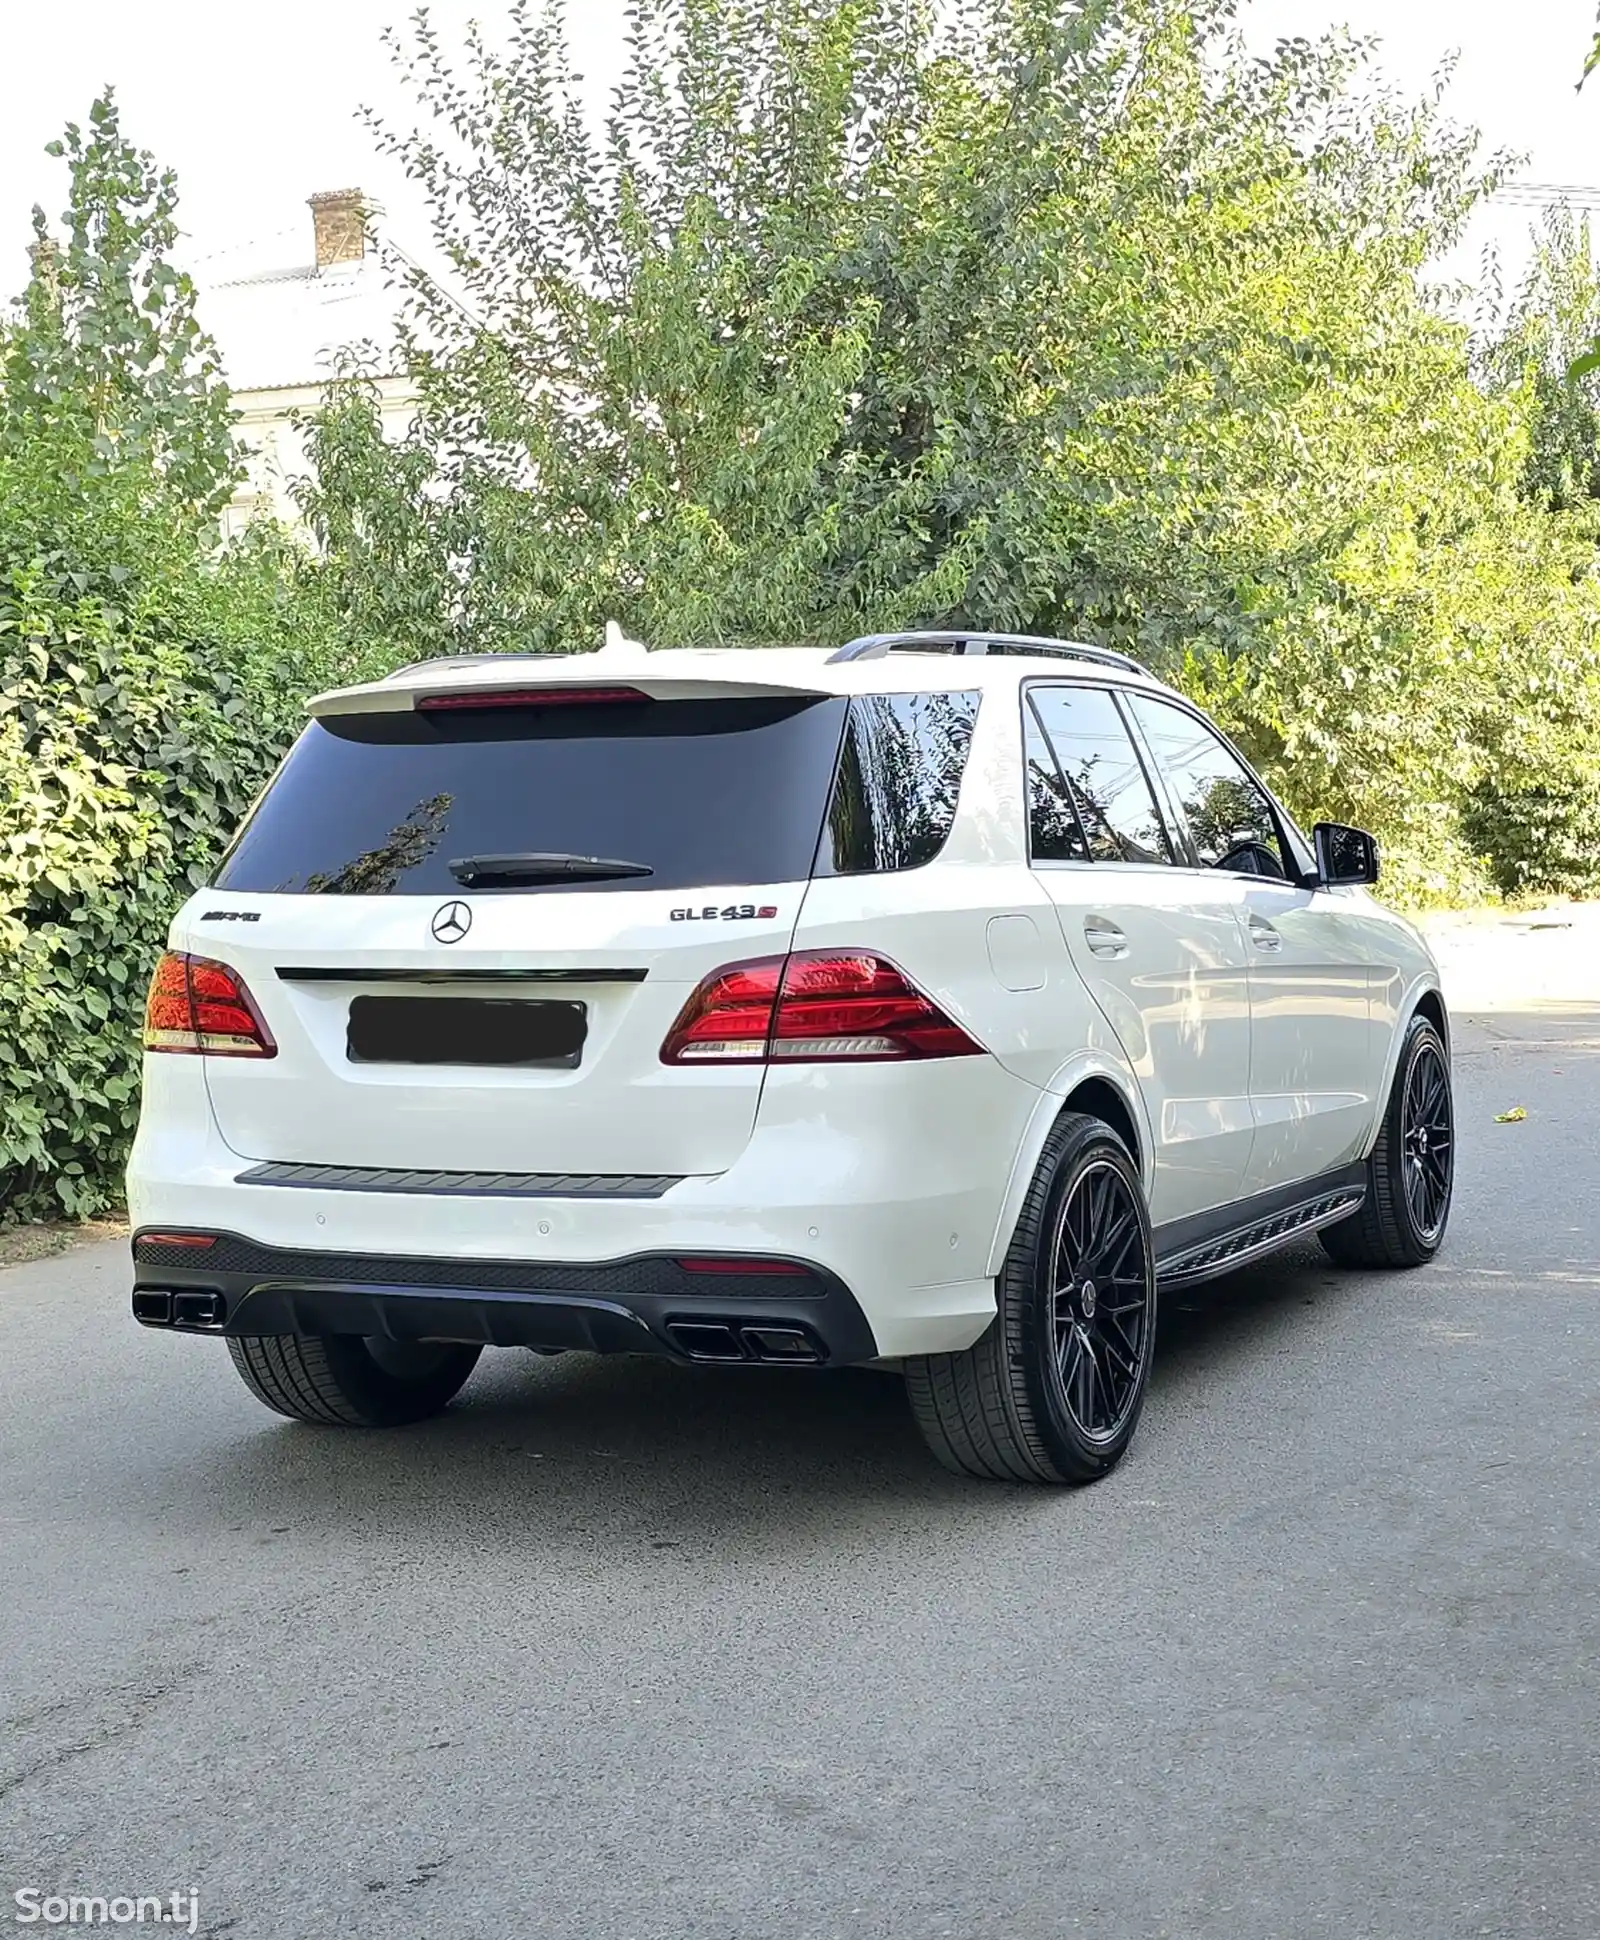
(623,1652)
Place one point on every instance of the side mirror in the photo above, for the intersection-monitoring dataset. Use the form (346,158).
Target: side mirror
(1344,855)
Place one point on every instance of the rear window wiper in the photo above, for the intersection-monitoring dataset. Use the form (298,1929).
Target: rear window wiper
(542,865)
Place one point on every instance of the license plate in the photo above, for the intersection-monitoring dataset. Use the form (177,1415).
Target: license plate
(466,1030)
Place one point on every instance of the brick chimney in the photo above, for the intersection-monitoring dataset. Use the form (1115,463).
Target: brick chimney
(45,255)
(340,219)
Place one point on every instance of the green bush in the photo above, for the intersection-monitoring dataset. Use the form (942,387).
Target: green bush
(1534,812)
(146,685)
(144,693)
(1543,835)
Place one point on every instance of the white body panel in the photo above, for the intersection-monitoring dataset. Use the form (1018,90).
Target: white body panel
(1165,959)
(1242,1069)
(1315,1066)
(852,1182)
(621,1110)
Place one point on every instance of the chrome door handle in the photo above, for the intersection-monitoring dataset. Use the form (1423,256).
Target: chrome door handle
(1104,938)
(1263,935)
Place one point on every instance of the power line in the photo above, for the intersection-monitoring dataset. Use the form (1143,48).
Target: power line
(1548,195)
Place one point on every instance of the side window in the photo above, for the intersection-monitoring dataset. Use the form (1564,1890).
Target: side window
(899,777)
(1229,818)
(1099,768)
(1054,832)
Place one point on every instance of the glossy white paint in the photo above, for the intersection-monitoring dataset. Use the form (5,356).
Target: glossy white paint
(1314,1076)
(1243,1067)
(841,1170)
(1162,952)
(622,1110)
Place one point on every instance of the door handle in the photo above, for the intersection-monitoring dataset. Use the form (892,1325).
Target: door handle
(1104,938)
(1263,935)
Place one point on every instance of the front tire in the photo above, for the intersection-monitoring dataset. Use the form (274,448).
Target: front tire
(1411,1174)
(344,1381)
(1052,1392)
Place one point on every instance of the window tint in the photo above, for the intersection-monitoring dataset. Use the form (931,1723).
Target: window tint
(1054,831)
(701,792)
(1097,760)
(900,769)
(1229,818)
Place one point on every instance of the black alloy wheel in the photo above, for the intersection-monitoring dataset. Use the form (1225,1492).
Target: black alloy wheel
(1411,1173)
(1052,1391)
(1100,1298)
(1427,1141)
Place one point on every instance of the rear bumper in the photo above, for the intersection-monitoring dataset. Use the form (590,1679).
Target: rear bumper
(644,1305)
(891,1191)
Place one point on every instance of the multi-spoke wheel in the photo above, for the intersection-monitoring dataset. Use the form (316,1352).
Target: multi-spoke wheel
(1412,1169)
(1052,1392)
(1427,1141)
(1100,1298)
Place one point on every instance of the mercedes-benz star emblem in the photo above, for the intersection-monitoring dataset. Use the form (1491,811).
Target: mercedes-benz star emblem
(451,921)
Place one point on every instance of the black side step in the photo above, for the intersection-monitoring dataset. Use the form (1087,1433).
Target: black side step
(1239,1245)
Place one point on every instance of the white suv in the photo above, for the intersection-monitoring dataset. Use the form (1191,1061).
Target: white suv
(933,1001)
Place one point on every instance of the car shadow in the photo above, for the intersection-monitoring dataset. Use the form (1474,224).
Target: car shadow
(1205,1326)
(656,1455)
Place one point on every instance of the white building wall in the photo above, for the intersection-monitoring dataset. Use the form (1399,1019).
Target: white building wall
(288,312)
(275,446)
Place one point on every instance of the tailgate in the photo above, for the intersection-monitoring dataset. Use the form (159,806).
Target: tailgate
(624,961)
(347,889)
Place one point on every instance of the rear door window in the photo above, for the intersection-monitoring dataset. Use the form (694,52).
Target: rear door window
(900,769)
(1099,772)
(701,792)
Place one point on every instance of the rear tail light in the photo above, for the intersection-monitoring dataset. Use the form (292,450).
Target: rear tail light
(814,1007)
(728,1020)
(200,1007)
(530,697)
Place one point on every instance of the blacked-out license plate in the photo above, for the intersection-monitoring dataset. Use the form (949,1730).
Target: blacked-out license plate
(465,1030)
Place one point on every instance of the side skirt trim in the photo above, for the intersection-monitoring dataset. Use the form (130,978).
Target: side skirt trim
(1186,1253)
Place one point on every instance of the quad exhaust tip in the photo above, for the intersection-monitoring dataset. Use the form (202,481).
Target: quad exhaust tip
(732,1340)
(190,1307)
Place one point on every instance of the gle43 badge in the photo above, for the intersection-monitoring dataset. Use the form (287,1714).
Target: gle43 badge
(729,913)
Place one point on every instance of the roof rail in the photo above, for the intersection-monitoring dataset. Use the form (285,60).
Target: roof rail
(877,646)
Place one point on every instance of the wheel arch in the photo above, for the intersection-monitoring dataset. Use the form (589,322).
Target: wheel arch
(1430,1004)
(1423,999)
(1097,1088)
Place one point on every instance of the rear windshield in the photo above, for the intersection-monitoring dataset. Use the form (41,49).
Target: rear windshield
(699,792)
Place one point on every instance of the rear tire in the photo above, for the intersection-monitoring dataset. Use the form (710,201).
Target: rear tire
(1411,1174)
(344,1381)
(1052,1392)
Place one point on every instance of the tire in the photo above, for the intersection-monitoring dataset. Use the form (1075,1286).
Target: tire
(1397,1226)
(1011,1408)
(343,1381)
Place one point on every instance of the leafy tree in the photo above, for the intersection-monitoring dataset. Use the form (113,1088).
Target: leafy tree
(1073,321)
(1539,343)
(112,361)
(146,685)
(1534,807)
